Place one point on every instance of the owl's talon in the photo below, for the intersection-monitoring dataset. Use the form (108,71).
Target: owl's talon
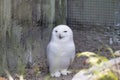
(56,74)
(65,72)
(69,72)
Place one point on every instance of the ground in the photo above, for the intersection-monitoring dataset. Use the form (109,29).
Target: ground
(87,38)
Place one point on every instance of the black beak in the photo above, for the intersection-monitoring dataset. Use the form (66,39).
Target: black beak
(60,37)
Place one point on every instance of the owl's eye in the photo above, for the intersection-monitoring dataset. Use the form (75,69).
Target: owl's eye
(56,31)
(65,31)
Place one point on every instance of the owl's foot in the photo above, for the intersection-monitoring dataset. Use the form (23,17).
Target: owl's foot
(56,74)
(65,72)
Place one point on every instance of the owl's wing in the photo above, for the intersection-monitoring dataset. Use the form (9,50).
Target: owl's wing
(72,54)
(50,51)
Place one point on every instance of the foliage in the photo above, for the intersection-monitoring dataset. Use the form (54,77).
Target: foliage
(97,60)
(104,75)
(93,59)
(20,67)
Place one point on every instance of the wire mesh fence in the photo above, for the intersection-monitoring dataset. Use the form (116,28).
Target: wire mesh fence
(95,18)
(93,12)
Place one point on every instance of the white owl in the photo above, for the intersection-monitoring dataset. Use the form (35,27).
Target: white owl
(60,51)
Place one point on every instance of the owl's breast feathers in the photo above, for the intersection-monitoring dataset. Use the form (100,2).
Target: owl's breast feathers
(57,49)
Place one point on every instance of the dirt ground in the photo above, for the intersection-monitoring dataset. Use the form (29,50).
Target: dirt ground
(87,38)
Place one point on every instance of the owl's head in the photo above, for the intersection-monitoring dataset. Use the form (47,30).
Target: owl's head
(62,33)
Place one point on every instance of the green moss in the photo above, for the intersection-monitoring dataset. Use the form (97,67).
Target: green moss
(105,75)
(98,61)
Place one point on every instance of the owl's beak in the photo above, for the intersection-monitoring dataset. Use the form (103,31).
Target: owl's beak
(60,37)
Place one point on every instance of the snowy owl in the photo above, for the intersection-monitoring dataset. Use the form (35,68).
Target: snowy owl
(60,51)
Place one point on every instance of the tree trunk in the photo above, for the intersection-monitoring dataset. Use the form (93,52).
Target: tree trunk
(25,28)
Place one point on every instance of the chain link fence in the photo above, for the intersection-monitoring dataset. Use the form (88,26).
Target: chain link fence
(97,20)
(92,12)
